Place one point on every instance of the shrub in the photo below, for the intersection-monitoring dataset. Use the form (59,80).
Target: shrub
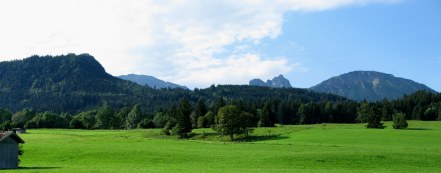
(399,121)
(146,124)
(159,120)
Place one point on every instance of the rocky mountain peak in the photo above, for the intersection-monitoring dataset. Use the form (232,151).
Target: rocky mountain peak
(277,82)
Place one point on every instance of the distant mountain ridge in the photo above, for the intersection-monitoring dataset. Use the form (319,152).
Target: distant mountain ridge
(369,85)
(150,81)
(276,82)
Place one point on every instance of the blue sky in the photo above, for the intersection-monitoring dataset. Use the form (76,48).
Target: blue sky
(198,43)
(403,39)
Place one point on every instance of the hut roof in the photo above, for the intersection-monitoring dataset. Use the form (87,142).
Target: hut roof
(5,135)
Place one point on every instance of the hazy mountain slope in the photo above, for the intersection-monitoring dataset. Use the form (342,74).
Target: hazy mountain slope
(150,81)
(369,85)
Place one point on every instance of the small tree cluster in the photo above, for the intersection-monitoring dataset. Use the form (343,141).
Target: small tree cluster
(179,122)
(199,111)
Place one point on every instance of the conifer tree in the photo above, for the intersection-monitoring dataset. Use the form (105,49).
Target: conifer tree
(399,120)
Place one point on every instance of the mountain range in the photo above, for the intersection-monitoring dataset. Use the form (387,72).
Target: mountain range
(73,83)
(150,81)
(369,85)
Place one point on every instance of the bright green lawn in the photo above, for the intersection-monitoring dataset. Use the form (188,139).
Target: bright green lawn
(312,148)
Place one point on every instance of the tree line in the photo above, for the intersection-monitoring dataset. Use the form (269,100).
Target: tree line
(232,116)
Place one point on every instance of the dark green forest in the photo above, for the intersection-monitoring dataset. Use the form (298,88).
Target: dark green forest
(74,91)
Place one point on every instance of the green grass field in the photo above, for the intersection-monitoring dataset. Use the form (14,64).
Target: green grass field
(309,148)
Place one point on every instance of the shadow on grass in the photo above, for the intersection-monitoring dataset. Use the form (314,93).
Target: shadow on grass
(213,136)
(38,167)
(203,135)
(417,129)
(253,138)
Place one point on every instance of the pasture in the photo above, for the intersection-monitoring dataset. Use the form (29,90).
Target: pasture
(296,148)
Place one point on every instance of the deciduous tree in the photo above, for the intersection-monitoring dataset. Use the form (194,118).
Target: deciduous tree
(230,120)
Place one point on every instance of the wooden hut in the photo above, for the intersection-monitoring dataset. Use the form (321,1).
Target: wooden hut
(9,150)
(19,130)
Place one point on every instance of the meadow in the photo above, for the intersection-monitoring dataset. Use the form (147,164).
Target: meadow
(287,148)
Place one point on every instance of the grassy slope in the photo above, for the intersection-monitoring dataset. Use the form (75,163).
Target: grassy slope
(314,148)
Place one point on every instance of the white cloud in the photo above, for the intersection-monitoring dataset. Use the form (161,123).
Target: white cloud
(177,40)
(236,69)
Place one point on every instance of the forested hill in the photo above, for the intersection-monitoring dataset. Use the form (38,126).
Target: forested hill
(369,85)
(73,83)
(246,92)
(64,83)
